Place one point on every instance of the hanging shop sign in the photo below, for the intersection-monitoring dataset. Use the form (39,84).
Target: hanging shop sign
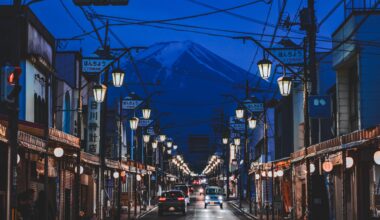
(150,131)
(254,106)
(319,106)
(289,56)
(94,65)
(145,122)
(129,103)
(93,126)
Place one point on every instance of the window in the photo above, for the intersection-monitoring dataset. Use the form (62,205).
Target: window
(353,98)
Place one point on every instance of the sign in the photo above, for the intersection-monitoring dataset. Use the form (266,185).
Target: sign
(254,107)
(93,126)
(130,104)
(237,124)
(145,122)
(150,131)
(94,65)
(319,107)
(289,56)
(101,2)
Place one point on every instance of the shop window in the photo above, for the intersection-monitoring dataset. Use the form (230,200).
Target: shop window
(375,191)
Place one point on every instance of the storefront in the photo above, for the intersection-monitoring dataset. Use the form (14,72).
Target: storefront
(3,170)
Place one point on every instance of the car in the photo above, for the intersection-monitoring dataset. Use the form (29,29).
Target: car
(185,189)
(213,196)
(172,201)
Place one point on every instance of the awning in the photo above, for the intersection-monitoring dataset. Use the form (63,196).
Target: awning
(31,142)
(63,138)
(90,158)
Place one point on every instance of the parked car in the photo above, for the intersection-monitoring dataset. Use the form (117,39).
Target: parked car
(172,201)
(186,191)
(213,196)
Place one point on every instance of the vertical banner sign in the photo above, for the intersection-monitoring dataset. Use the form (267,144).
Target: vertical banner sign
(93,126)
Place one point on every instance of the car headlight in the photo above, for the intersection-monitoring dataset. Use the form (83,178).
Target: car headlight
(207,197)
(220,197)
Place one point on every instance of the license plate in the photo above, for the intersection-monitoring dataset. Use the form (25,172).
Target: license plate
(171,209)
(212,203)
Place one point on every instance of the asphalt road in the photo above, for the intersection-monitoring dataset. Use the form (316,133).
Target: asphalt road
(197,211)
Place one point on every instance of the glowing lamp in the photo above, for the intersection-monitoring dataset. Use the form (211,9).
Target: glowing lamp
(58,152)
(349,162)
(327,166)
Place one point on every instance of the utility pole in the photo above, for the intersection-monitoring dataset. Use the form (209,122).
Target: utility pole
(246,150)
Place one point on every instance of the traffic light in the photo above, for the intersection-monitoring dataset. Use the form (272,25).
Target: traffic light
(13,80)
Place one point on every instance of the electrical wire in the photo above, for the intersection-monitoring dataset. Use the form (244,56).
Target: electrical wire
(72,16)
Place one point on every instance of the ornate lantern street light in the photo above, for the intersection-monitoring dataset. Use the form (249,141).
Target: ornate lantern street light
(225,140)
(265,67)
(169,143)
(134,122)
(237,141)
(146,138)
(118,77)
(146,113)
(99,92)
(239,112)
(175,147)
(154,144)
(252,123)
(285,85)
(162,137)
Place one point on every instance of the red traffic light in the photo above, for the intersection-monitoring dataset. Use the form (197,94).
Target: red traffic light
(14,75)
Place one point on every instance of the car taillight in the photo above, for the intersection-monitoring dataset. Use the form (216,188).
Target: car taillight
(162,199)
(180,199)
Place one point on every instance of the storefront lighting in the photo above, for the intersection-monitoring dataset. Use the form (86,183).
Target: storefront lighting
(134,122)
(116,174)
(99,91)
(146,138)
(312,168)
(270,174)
(263,174)
(81,169)
(280,173)
(122,173)
(265,67)
(138,177)
(376,157)
(349,162)
(327,166)
(58,152)
(118,77)
(18,158)
(257,176)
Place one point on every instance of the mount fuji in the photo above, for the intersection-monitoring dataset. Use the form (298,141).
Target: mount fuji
(192,83)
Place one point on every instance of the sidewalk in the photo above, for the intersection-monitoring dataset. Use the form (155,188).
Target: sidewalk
(245,210)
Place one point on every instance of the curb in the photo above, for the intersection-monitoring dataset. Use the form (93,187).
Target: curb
(241,211)
(146,213)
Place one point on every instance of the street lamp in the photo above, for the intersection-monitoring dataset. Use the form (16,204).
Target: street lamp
(116,174)
(239,112)
(237,141)
(154,144)
(146,138)
(134,122)
(175,147)
(225,140)
(99,92)
(252,123)
(162,137)
(169,144)
(118,77)
(265,67)
(169,151)
(146,113)
(285,85)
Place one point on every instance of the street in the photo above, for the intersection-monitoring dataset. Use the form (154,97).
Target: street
(197,211)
